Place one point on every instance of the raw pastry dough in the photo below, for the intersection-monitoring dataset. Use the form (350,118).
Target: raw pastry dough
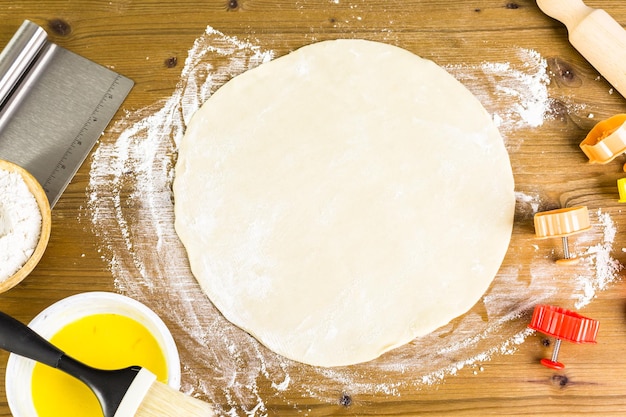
(342,200)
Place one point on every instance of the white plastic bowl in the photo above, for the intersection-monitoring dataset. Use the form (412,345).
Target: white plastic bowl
(51,320)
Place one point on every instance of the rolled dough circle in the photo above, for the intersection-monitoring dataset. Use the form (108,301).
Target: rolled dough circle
(342,200)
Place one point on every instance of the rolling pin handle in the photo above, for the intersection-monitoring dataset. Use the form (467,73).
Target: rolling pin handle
(569,12)
(595,34)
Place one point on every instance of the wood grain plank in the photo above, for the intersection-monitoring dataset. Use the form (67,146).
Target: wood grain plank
(140,38)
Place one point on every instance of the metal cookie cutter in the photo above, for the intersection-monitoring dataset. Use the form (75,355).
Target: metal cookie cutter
(562,223)
(562,324)
(606,140)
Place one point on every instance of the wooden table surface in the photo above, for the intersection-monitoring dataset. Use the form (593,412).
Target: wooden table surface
(488,44)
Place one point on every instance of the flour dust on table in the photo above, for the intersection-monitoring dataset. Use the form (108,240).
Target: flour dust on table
(133,218)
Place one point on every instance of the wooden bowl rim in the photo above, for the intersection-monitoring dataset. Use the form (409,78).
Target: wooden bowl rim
(46,223)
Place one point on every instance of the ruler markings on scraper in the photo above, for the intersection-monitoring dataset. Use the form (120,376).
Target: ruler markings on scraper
(54,106)
(82,143)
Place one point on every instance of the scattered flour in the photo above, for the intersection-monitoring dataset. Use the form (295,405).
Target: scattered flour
(516,94)
(20,223)
(527,204)
(132,215)
(598,257)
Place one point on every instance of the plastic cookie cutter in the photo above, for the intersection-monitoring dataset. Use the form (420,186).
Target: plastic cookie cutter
(606,140)
(562,223)
(562,324)
(621,188)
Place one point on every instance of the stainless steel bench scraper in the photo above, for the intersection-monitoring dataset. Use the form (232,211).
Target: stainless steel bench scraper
(54,105)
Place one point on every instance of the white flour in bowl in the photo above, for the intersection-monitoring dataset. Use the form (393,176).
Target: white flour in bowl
(20,223)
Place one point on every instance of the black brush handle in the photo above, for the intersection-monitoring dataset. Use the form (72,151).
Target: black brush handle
(20,339)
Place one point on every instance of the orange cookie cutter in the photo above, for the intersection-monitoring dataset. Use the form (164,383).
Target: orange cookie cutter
(562,223)
(606,140)
(562,324)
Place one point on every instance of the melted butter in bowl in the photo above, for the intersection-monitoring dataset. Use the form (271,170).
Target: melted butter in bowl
(105,341)
(104,330)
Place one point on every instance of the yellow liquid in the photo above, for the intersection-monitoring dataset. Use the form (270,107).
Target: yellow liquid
(106,341)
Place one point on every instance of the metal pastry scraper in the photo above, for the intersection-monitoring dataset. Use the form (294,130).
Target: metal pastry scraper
(54,105)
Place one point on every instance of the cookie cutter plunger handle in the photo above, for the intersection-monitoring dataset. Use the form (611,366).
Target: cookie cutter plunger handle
(562,324)
(562,223)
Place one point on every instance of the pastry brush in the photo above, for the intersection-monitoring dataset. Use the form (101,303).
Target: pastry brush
(133,391)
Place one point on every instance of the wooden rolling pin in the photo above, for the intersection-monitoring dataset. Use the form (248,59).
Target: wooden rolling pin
(596,35)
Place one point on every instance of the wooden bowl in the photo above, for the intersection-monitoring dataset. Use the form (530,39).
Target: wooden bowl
(46,221)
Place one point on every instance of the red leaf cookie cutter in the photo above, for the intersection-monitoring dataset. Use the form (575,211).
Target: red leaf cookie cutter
(562,324)
(562,223)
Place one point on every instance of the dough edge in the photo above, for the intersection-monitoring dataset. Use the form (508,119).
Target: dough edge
(198,270)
